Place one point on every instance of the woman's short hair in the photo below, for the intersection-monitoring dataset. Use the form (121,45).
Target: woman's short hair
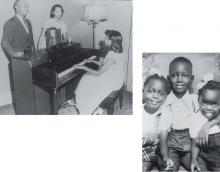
(53,9)
(116,39)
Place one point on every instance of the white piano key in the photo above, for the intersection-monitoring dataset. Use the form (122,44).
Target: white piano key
(72,68)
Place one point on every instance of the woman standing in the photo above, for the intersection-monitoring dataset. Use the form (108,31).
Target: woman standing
(56,14)
(96,85)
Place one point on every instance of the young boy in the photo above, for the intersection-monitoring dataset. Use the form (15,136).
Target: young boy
(175,143)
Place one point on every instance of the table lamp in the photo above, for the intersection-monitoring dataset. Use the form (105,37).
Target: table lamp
(94,14)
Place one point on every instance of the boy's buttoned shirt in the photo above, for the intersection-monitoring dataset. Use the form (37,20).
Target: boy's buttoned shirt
(178,111)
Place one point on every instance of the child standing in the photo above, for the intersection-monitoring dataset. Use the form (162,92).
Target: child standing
(155,91)
(174,134)
(209,105)
(175,142)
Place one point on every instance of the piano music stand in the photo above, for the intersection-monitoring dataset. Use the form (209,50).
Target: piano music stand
(53,36)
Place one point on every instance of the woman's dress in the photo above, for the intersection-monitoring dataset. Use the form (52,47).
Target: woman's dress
(92,89)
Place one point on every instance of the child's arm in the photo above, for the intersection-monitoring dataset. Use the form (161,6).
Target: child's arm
(203,135)
(105,67)
(93,61)
(96,62)
(167,162)
(163,144)
(194,155)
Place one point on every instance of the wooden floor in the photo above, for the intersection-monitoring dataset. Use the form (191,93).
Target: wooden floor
(7,110)
(126,108)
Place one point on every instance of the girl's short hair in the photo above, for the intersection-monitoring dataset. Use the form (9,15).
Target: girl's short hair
(180,60)
(161,78)
(116,39)
(53,9)
(210,85)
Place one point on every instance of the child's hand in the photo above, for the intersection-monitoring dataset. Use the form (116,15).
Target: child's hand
(195,166)
(79,67)
(169,165)
(85,61)
(89,60)
(203,136)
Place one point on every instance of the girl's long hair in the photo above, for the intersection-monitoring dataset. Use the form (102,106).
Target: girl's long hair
(116,39)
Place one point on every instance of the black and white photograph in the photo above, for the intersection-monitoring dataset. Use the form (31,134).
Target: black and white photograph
(149,70)
(181,107)
(68,57)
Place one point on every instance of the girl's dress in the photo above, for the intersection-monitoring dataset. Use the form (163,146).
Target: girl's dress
(150,140)
(208,158)
(53,23)
(92,89)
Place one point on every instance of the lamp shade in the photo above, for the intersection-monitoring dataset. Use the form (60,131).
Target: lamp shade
(94,13)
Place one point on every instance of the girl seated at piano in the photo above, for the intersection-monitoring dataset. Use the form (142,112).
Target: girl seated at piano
(56,14)
(96,85)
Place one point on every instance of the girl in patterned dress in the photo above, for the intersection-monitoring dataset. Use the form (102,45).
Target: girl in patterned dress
(155,91)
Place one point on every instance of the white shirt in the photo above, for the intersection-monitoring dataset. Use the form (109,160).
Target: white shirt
(150,124)
(178,111)
(196,121)
(22,22)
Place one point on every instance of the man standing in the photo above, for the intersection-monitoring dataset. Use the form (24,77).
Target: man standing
(18,45)
(17,32)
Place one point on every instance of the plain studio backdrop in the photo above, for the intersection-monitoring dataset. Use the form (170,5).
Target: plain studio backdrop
(109,143)
(203,64)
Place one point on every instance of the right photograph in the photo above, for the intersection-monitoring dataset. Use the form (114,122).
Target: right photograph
(180,112)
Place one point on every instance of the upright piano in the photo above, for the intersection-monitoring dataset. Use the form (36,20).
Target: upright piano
(53,71)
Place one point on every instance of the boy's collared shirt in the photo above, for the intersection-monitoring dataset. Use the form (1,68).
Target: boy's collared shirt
(178,111)
(196,121)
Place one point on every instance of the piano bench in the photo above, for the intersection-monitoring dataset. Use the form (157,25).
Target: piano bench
(109,102)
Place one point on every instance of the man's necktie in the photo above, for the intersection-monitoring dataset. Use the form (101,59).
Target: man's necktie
(26,25)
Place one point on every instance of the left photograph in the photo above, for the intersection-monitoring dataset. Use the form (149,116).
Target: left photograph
(66,57)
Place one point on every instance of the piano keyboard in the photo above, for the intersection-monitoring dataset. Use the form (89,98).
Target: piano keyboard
(72,68)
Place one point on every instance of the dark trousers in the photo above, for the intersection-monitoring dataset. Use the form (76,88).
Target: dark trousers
(179,145)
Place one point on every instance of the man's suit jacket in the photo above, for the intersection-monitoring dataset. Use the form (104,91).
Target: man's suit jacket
(15,37)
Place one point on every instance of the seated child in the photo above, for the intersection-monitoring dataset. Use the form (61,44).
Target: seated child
(209,105)
(155,91)
(175,142)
